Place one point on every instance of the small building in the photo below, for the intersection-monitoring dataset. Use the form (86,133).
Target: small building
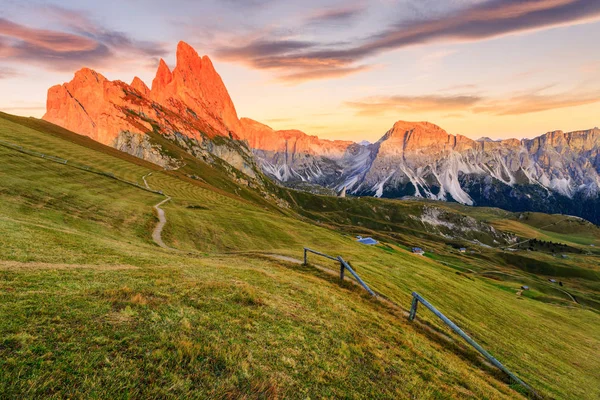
(368,240)
(552,280)
(525,287)
(462,250)
(418,250)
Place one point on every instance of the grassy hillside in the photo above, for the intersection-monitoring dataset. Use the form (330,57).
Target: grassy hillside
(91,307)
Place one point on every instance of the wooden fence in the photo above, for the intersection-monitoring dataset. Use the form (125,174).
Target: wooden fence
(413,313)
(343,266)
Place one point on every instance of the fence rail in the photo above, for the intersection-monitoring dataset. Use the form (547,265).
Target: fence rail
(343,266)
(362,283)
(413,313)
(307,250)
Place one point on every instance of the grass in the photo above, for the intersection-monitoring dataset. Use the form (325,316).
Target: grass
(90,307)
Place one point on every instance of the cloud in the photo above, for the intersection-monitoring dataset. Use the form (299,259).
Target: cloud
(337,15)
(457,105)
(321,73)
(417,104)
(479,21)
(6,73)
(262,49)
(42,38)
(537,103)
(79,23)
(79,43)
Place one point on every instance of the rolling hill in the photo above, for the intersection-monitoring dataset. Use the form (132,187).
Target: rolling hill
(92,307)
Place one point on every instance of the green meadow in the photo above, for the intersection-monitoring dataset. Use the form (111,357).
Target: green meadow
(91,307)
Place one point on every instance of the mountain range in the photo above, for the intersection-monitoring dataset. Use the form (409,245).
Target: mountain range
(556,172)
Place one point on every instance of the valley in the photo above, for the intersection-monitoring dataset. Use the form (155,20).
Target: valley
(300,200)
(92,307)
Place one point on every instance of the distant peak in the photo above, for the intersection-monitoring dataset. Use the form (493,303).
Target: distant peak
(163,76)
(184,48)
(206,61)
(87,73)
(408,125)
(139,85)
(187,57)
(163,68)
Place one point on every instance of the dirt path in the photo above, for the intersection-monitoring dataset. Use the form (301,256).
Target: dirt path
(162,218)
(144,179)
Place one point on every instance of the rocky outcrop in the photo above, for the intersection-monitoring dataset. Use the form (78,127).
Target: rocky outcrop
(140,146)
(292,155)
(195,88)
(191,100)
(93,106)
(189,105)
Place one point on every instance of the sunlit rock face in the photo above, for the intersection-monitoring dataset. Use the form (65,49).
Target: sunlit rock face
(191,100)
(420,159)
(556,172)
(190,105)
(292,155)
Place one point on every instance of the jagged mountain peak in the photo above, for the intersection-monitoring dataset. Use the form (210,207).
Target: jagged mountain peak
(419,159)
(418,136)
(163,77)
(87,76)
(140,86)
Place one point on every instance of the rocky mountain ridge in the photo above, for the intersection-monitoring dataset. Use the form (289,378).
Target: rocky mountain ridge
(190,106)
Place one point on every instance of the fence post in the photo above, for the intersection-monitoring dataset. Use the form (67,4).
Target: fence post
(305,257)
(363,284)
(413,308)
(341,271)
(467,338)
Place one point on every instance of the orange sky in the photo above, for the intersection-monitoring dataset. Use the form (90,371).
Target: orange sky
(340,70)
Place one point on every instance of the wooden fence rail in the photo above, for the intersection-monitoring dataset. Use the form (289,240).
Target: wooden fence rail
(413,313)
(343,266)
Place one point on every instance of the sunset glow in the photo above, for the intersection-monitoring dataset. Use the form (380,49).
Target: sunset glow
(339,70)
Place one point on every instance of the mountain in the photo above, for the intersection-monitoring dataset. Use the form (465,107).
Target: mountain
(230,311)
(291,154)
(190,106)
(556,172)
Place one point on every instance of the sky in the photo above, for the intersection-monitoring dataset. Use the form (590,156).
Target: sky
(337,69)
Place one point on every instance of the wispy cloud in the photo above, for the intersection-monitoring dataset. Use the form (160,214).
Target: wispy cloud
(6,73)
(458,105)
(536,103)
(336,15)
(417,104)
(80,42)
(479,21)
(321,73)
